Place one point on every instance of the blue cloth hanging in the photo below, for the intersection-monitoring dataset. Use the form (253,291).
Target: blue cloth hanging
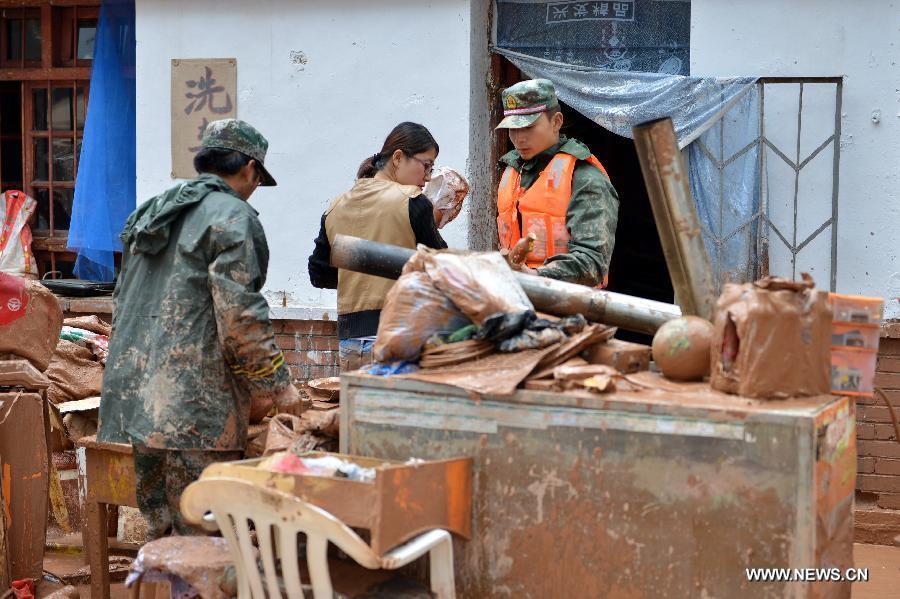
(105,191)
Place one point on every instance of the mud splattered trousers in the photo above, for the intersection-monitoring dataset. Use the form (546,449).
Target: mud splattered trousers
(161,476)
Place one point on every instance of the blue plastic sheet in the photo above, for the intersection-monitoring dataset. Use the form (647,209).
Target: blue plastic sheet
(725,174)
(619,100)
(105,188)
(720,112)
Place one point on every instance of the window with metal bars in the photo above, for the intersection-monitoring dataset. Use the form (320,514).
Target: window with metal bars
(46,51)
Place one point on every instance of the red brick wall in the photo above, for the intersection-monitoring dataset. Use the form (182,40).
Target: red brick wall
(878,463)
(310,347)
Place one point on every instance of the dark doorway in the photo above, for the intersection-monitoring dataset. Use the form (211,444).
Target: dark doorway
(638,266)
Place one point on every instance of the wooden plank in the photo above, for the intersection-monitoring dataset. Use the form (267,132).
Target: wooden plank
(22,373)
(4,544)
(86,305)
(624,356)
(92,443)
(46,39)
(693,399)
(45,74)
(55,243)
(31,3)
(97,545)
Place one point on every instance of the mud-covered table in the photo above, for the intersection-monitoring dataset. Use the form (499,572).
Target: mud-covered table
(107,479)
(672,492)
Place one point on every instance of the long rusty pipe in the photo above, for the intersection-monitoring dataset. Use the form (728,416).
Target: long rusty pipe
(675,213)
(547,295)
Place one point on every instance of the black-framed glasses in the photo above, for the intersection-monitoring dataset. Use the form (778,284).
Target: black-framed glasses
(429,166)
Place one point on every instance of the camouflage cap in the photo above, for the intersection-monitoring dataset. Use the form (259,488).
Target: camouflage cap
(235,134)
(524,102)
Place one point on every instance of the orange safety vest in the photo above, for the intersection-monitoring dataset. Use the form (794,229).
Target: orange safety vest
(543,208)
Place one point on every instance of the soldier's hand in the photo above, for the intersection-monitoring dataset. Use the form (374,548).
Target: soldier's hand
(522,248)
(289,401)
(525,269)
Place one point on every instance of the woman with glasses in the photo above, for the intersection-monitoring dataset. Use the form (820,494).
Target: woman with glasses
(386,205)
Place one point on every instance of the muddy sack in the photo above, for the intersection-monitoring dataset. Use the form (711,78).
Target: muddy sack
(413,311)
(30,320)
(772,339)
(480,285)
(283,431)
(74,373)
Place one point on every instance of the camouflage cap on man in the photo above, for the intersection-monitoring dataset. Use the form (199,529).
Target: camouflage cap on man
(524,102)
(235,134)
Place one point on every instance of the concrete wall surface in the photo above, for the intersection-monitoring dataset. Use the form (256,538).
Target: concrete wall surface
(861,42)
(325,82)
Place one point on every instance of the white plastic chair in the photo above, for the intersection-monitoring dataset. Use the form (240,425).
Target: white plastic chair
(229,505)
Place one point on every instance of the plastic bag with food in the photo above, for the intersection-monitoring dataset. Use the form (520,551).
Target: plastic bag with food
(447,190)
(414,310)
(481,285)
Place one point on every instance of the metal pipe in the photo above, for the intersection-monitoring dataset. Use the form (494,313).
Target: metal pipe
(548,295)
(668,185)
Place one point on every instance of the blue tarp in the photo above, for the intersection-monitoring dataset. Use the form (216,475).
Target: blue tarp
(105,188)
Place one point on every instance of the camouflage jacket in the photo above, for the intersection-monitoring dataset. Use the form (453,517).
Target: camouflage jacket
(591,217)
(191,341)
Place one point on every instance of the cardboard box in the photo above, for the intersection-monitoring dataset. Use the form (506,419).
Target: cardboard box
(404,500)
(624,356)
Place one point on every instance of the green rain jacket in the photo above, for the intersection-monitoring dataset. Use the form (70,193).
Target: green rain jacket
(192,342)
(591,217)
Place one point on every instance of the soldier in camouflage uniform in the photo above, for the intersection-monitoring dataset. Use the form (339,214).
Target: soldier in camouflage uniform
(554,189)
(192,344)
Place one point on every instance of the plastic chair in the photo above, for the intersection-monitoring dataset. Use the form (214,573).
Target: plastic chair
(230,505)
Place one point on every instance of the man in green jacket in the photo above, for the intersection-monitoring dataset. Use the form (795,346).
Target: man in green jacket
(192,344)
(554,190)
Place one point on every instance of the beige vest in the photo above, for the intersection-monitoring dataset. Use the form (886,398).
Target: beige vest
(378,211)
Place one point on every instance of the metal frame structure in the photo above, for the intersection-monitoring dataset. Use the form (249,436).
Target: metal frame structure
(761,216)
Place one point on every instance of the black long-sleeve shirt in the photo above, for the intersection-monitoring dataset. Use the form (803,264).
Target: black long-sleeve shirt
(325,276)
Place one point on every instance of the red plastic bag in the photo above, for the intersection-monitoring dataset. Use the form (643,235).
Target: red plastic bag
(30,320)
(23,589)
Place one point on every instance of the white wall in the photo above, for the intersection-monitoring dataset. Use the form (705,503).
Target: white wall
(858,40)
(369,65)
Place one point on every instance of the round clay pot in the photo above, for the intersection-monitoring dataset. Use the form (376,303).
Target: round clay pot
(681,348)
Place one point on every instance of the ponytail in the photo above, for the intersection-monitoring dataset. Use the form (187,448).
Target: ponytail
(369,167)
(409,138)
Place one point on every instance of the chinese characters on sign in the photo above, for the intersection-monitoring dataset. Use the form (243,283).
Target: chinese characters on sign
(567,12)
(203,90)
